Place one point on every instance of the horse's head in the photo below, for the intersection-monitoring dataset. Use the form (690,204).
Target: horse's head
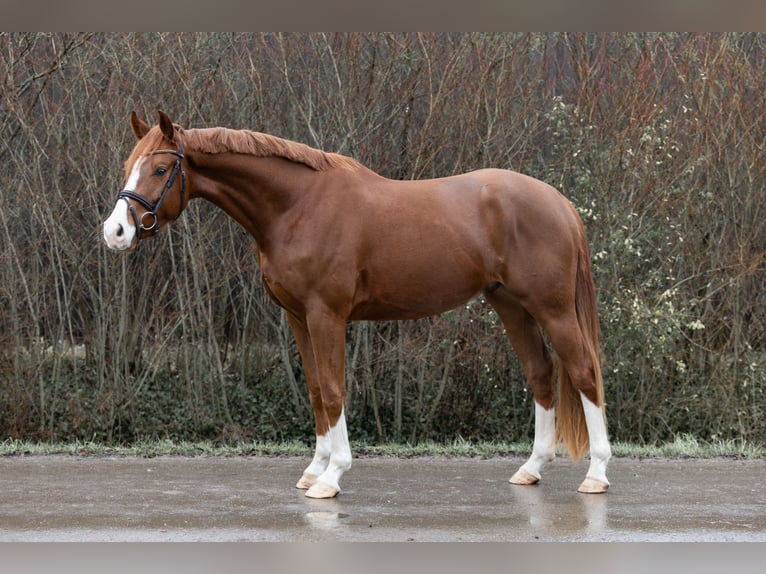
(155,184)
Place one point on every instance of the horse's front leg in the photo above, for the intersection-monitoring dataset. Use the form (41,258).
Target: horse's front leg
(332,458)
(321,342)
(319,463)
(327,484)
(323,449)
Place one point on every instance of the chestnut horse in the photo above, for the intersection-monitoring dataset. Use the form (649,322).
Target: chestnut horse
(336,242)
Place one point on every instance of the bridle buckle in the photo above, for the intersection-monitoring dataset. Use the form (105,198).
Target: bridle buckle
(152,209)
(143,227)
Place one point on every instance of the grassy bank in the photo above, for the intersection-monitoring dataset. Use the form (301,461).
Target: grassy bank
(685,446)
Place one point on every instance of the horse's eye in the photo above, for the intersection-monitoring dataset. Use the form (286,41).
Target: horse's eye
(160,171)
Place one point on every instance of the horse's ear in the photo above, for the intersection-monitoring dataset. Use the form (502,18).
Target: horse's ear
(166,126)
(139,126)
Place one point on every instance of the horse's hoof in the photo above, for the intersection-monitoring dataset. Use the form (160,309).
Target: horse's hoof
(322,490)
(524,478)
(593,486)
(306,481)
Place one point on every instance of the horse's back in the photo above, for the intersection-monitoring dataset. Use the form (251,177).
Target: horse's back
(425,246)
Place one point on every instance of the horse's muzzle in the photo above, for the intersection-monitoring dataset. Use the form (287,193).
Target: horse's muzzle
(119,232)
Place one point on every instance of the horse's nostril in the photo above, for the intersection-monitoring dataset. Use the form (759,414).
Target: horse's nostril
(120,231)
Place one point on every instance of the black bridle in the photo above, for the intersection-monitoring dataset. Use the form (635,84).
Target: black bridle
(153,209)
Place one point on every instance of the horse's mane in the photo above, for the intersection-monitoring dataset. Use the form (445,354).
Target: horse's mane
(223,140)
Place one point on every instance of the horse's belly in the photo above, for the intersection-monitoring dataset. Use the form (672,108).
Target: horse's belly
(412,296)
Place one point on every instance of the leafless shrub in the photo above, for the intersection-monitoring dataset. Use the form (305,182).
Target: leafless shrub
(658,139)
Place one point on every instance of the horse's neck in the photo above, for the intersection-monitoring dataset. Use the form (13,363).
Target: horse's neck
(254,191)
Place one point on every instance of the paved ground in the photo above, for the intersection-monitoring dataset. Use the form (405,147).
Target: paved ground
(60,498)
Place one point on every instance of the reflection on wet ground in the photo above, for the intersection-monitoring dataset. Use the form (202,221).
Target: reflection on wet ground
(60,498)
(581,513)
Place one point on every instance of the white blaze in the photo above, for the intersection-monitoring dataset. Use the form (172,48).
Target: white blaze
(134,173)
(119,230)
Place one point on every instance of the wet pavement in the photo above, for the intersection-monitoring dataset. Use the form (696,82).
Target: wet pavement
(68,498)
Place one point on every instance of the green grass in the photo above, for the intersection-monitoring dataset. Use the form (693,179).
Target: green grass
(688,446)
(684,446)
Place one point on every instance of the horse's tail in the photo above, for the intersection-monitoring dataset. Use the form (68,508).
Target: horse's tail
(571,429)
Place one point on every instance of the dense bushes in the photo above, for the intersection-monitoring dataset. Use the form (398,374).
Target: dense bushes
(657,138)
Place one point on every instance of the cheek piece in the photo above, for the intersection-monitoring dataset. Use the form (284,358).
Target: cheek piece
(152,209)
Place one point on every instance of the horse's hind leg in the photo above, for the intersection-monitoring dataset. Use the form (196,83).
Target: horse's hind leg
(583,394)
(526,339)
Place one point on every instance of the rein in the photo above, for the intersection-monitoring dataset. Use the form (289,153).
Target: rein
(152,209)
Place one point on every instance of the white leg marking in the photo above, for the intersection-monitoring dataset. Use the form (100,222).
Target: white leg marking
(544,446)
(327,484)
(600,452)
(321,456)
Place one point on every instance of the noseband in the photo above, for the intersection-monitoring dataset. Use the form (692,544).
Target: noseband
(152,209)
